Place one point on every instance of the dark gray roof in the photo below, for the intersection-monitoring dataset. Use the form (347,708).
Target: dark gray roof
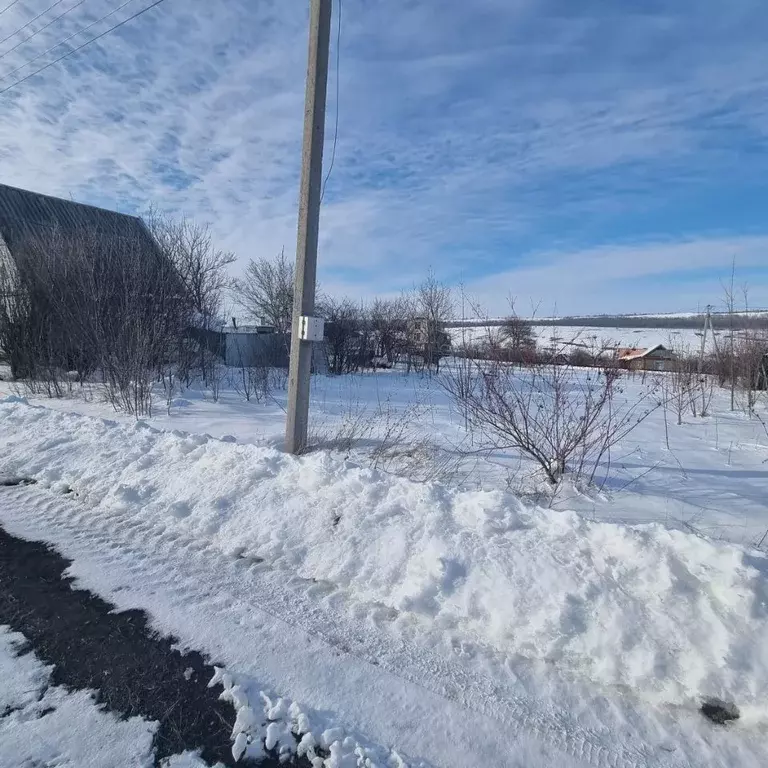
(25,214)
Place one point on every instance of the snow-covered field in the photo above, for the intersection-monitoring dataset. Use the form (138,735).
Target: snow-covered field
(586,630)
(565,338)
(713,478)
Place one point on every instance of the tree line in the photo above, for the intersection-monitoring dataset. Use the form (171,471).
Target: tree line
(407,329)
(128,310)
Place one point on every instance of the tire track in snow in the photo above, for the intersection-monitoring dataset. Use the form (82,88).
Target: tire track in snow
(173,565)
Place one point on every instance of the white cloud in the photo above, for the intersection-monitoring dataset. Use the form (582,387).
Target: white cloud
(470,134)
(629,278)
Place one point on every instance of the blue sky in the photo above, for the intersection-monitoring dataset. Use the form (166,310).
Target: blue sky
(588,156)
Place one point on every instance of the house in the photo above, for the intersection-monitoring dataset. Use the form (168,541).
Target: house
(428,339)
(105,267)
(28,216)
(657,358)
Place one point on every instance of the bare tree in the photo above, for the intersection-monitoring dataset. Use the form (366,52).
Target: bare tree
(201,266)
(389,321)
(565,419)
(434,307)
(518,334)
(730,303)
(202,269)
(265,292)
(344,343)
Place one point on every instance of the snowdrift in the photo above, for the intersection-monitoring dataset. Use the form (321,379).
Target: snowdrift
(672,616)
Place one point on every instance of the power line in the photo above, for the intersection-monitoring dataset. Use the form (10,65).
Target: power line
(31,21)
(42,29)
(8,7)
(336,128)
(80,47)
(65,40)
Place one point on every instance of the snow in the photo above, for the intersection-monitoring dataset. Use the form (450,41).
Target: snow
(499,627)
(547,604)
(712,478)
(593,339)
(42,724)
(281,725)
(671,616)
(278,633)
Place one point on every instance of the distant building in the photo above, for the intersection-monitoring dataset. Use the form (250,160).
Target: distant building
(657,358)
(253,346)
(428,339)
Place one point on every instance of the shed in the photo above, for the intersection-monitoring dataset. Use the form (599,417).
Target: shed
(657,358)
(256,346)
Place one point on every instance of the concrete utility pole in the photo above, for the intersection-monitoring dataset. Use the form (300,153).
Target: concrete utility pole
(305,328)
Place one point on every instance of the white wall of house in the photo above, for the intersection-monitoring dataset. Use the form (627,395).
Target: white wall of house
(5,254)
(7,265)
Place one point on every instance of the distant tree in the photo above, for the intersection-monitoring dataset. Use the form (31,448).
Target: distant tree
(389,322)
(517,334)
(581,358)
(343,323)
(202,269)
(265,292)
(201,266)
(434,307)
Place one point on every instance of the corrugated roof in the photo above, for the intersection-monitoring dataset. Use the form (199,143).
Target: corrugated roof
(24,214)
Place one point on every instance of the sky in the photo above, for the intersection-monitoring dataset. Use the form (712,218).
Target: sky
(574,157)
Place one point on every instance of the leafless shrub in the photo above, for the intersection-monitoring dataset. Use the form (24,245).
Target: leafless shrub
(392,440)
(252,381)
(216,375)
(565,419)
(705,390)
(424,460)
(86,301)
(680,388)
(357,423)
(278,379)
(99,301)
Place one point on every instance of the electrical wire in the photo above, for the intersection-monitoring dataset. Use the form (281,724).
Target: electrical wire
(42,29)
(65,40)
(80,47)
(336,129)
(31,21)
(8,7)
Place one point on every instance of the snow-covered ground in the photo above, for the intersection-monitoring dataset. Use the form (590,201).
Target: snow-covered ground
(594,339)
(44,725)
(584,632)
(713,477)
